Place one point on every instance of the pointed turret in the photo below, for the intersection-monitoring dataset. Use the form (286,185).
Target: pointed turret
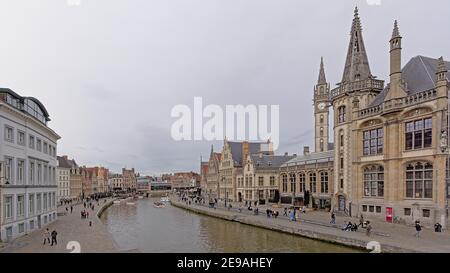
(322,79)
(356,64)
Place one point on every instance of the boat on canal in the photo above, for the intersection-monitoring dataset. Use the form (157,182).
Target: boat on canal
(159,205)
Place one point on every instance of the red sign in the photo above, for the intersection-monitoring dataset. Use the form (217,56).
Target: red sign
(389,215)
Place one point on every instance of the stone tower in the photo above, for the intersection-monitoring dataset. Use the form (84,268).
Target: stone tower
(321,111)
(356,91)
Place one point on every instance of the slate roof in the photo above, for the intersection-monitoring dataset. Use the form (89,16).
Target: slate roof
(269,161)
(64,162)
(236,150)
(419,74)
(311,158)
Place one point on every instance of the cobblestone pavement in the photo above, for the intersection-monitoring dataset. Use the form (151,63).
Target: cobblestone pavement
(70,227)
(388,234)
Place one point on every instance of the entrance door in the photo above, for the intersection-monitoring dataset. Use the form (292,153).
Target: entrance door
(341,205)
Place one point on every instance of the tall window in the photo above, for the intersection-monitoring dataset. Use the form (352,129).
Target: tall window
(31,172)
(341,138)
(261,181)
(374,181)
(321,131)
(321,119)
(341,114)
(419,180)
(272,181)
(20,206)
(31,142)
(373,141)
(8,169)
(39,174)
(20,171)
(418,134)
(302,180)
(38,145)
(8,207)
(292,180)
(45,204)
(31,204)
(21,138)
(9,133)
(324,182)
(38,202)
(312,182)
(321,145)
(284,182)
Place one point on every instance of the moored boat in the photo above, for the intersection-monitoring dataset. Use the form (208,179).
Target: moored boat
(158,205)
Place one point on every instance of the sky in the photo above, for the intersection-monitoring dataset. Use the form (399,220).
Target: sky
(110,71)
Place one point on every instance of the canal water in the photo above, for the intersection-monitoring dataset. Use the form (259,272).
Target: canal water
(144,228)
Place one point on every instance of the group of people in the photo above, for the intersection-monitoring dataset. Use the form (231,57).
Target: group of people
(50,235)
(353,226)
(270,213)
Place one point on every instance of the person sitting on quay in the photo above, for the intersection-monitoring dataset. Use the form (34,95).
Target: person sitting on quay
(285,212)
(348,226)
(354,227)
(275,215)
(268,213)
(256,211)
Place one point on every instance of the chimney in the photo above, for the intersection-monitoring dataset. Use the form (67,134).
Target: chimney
(305,150)
(286,154)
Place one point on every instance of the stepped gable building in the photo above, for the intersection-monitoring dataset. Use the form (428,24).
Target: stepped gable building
(234,157)
(212,178)
(390,141)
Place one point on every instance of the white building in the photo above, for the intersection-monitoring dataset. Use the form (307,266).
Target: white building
(63,179)
(27,165)
(115,182)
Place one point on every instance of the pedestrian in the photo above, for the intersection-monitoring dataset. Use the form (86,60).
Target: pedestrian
(90,223)
(285,212)
(67,210)
(87,214)
(71,209)
(368,228)
(418,229)
(361,221)
(438,227)
(54,234)
(333,218)
(46,236)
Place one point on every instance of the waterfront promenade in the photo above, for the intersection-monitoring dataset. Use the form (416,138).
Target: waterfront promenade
(316,225)
(70,227)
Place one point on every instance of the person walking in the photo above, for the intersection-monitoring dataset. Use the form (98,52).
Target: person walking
(71,209)
(418,229)
(46,236)
(333,218)
(361,221)
(285,212)
(54,234)
(368,229)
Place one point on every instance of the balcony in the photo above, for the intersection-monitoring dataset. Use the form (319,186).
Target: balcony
(369,84)
(398,104)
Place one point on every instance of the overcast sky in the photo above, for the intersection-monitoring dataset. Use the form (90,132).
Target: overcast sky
(110,71)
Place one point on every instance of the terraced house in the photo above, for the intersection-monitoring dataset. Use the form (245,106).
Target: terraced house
(27,165)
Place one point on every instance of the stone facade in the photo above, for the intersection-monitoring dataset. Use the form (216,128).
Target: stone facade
(212,179)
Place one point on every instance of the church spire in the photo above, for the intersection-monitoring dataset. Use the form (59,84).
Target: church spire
(322,79)
(356,64)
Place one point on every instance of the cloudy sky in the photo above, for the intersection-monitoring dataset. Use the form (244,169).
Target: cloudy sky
(110,71)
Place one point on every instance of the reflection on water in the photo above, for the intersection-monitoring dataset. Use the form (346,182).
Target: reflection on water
(145,228)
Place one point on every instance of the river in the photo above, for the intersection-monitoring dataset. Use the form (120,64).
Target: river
(144,228)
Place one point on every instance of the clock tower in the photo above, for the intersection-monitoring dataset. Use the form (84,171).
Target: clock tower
(321,111)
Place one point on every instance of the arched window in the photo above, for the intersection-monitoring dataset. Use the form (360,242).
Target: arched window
(302,179)
(321,131)
(321,119)
(284,182)
(292,180)
(419,180)
(374,181)
(321,145)
(312,182)
(341,114)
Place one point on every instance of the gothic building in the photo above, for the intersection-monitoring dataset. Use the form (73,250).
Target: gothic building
(390,140)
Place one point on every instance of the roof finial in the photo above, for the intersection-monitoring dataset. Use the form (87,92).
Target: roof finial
(441,67)
(395,32)
(356,11)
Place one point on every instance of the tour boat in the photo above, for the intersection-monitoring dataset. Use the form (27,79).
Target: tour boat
(158,205)
(165,199)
